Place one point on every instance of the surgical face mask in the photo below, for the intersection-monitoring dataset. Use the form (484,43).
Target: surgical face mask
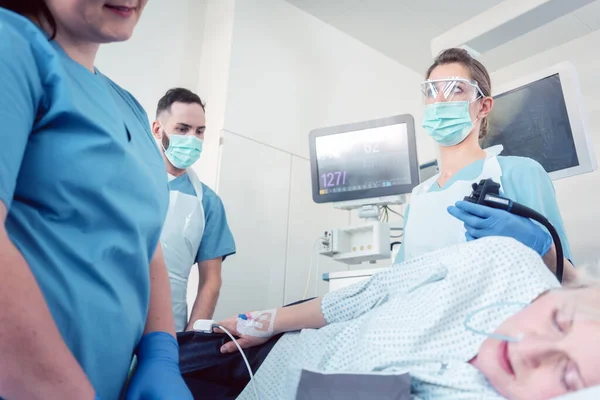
(183,151)
(448,123)
(479,320)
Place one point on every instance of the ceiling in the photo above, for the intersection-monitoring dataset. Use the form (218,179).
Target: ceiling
(403,29)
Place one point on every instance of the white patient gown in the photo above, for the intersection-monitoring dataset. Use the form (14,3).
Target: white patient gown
(409,318)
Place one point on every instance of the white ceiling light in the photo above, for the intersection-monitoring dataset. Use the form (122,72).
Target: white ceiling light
(503,23)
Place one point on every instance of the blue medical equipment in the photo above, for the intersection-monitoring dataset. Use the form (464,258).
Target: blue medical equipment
(487,193)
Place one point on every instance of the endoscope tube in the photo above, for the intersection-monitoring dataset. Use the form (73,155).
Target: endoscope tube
(502,203)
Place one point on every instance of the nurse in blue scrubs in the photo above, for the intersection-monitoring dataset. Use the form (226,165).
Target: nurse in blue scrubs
(457,101)
(83,196)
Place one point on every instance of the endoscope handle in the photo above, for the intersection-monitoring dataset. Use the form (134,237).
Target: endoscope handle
(487,194)
(481,190)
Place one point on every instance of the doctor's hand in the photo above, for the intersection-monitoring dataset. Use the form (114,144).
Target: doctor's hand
(252,329)
(482,221)
(158,376)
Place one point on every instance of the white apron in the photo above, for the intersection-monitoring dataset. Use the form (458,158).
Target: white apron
(430,227)
(180,240)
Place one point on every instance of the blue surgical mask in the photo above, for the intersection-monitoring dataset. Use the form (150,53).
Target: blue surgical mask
(448,123)
(183,151)
(507,308)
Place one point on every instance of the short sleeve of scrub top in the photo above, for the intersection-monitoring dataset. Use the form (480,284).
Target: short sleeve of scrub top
(217,240)
(20,95)
(86,192)
(524,181)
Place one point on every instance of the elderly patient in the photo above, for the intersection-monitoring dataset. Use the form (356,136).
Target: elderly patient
(482,320)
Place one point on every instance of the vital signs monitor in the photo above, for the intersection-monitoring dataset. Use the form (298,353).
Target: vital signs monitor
(364,160)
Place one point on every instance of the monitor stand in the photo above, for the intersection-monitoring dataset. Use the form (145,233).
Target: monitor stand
(375,202)
(365,242)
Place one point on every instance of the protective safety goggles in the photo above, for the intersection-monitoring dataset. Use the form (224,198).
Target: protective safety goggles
(450,89)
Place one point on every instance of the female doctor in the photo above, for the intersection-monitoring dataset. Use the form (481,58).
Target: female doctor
(83,196)
(458,99)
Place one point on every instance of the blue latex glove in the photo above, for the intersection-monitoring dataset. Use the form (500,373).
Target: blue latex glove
(482,221)
(158,376)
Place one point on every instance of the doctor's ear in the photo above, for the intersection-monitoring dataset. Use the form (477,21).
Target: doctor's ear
(157,130)
(486,107)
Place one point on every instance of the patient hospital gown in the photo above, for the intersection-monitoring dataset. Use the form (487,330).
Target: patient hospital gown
(409,318)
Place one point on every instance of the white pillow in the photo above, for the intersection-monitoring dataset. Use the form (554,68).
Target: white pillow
(588,394)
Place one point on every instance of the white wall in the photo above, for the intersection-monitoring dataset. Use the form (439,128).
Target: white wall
(578,197)
(164,51)
(213,80)
(290,73)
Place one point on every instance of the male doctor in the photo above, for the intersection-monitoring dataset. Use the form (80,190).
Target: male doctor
(195,229)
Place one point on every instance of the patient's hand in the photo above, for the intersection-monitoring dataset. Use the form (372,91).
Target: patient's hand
(245,340)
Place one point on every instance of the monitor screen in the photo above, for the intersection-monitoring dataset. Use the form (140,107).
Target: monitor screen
(361,161)
(532,121)
(371,158)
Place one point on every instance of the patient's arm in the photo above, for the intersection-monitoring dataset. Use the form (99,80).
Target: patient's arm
(287,319)
(349,302)
(355,300)
(306,315)
(569,273)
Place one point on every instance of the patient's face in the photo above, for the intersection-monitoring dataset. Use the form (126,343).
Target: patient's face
(558,353)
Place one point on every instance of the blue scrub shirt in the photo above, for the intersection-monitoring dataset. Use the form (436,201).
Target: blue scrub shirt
(524,181)
(217,240)
(86,192)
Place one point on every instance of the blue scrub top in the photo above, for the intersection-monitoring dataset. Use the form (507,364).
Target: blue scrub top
(86,192)
(217,240)
(524,181)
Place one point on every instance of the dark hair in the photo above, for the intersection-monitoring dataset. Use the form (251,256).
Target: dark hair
(36,9)
(477,70)
(177,95)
